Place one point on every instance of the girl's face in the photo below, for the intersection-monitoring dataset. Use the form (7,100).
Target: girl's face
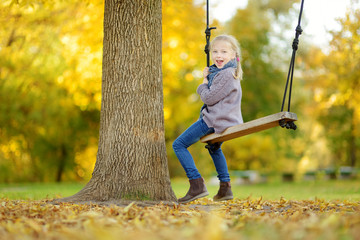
(221,53)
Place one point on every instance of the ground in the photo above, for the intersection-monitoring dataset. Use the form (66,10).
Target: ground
(250,218)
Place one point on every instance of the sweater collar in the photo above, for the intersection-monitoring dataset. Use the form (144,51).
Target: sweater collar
(213,69)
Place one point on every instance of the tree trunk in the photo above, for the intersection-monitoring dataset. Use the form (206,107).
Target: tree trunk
(62,162)
(352,144)
(131,161)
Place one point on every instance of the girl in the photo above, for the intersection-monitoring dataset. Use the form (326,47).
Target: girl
(221,93)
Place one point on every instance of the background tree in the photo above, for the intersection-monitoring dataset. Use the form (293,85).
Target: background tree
(336,88)
(48,117)
(50,88)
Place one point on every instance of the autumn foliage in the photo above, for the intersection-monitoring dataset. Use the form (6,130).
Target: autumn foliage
(50,87)
(204,219)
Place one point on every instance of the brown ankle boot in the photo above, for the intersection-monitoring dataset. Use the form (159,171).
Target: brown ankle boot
(224,192)
(197,190)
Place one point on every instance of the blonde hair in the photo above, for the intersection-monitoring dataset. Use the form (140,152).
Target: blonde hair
(235,46)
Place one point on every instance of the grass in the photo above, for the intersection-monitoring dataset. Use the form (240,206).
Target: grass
(37,191)
(299,190)
(272,218)
(302,190)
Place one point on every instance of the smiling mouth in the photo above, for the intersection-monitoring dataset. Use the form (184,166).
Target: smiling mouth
(219,62)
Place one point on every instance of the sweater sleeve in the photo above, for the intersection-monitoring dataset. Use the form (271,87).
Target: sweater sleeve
(219,89)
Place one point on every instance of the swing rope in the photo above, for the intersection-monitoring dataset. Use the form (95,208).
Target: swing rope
(207,35)
(295,44)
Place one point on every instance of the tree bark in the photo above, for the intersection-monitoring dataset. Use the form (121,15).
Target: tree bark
(61,163)
(352,143)
(131,160)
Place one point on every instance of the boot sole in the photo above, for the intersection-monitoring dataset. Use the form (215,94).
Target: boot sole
(201,195)
(224,198)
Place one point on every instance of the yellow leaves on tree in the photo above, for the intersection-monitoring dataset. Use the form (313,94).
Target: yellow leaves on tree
(334,79)
(50,81)
(183,58)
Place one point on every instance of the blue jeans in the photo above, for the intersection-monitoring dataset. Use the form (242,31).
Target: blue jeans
(188,138)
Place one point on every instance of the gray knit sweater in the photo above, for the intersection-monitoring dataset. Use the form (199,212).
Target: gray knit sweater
(223,100)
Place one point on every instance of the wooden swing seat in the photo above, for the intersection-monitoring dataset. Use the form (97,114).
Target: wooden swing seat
(250,127)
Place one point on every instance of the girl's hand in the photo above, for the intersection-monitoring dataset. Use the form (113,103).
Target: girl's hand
(205,74)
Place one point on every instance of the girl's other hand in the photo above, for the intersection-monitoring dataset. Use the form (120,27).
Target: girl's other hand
(205,74)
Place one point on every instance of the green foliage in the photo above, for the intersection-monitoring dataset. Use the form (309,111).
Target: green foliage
(45,125)
(335,85)
(50,88)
